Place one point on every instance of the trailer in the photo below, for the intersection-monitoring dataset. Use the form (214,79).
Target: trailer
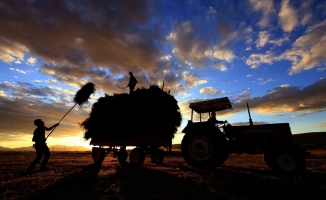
(141,144)
(207,145)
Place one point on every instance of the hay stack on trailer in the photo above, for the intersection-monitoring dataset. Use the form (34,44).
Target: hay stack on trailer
(124,115)
(121,119)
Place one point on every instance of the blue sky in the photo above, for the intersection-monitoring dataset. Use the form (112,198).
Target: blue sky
(270,54)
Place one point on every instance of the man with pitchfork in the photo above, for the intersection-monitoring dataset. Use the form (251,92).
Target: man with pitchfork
(132,83)
(40,145)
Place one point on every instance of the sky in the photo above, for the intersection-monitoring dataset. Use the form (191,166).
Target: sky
(269,54)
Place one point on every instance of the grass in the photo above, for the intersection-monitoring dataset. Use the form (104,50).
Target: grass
(73,176)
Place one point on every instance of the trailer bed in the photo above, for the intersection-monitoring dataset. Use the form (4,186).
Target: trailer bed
(144,139)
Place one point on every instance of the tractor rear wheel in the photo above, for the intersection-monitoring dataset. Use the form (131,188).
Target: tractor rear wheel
(204,150)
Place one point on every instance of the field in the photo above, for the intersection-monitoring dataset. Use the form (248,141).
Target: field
(73,176)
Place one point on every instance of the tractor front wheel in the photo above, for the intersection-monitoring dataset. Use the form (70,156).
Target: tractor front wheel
(289,161)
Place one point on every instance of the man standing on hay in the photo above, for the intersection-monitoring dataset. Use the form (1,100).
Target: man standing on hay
(132,83)
(40,145)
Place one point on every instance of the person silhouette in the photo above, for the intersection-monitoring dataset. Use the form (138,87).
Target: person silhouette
(132,83)
(213,119)
(40,145)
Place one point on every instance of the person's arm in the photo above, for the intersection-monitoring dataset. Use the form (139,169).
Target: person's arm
(129,83)
(48,129)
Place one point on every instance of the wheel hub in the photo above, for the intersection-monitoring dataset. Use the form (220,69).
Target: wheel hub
(287,162)
(200,148)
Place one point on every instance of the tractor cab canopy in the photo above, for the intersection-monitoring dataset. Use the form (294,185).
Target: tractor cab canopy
(212,105)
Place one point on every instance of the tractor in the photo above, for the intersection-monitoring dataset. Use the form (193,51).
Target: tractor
(206,145)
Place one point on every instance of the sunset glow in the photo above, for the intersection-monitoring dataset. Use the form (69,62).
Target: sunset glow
(270,54)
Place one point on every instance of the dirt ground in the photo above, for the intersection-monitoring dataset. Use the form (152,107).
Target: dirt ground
(73,176)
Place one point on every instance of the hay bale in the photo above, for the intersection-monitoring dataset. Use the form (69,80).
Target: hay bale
(121,115)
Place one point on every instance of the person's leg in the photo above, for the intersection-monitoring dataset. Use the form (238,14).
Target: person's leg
(37,159)
(47,154)
(131,89)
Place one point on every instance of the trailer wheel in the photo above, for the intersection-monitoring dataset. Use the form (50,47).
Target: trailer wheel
(205,150)
(157,156)
(122,156)
(286,162)
(98,155)
(137,157)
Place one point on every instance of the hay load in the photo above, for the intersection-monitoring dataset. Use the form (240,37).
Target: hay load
(121,115)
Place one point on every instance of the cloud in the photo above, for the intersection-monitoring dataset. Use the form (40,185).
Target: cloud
(208,90)
(26,90)
(81,34)
(192,80)
(321,69)
(6,57)
(321,8)
(279,41)
(211,91)
(23,112)
(220,66)
(263,38)
(21,103)
(266,8)
(255,60)
(37,81)
(263,81)
(193,46)
(99,42)
(11,51)
(223,54)
(305,12)
(288,16)
(308,51)
(323,125)
(187,46)
(2,94)
(18,70)
(286,98)
(31,61)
